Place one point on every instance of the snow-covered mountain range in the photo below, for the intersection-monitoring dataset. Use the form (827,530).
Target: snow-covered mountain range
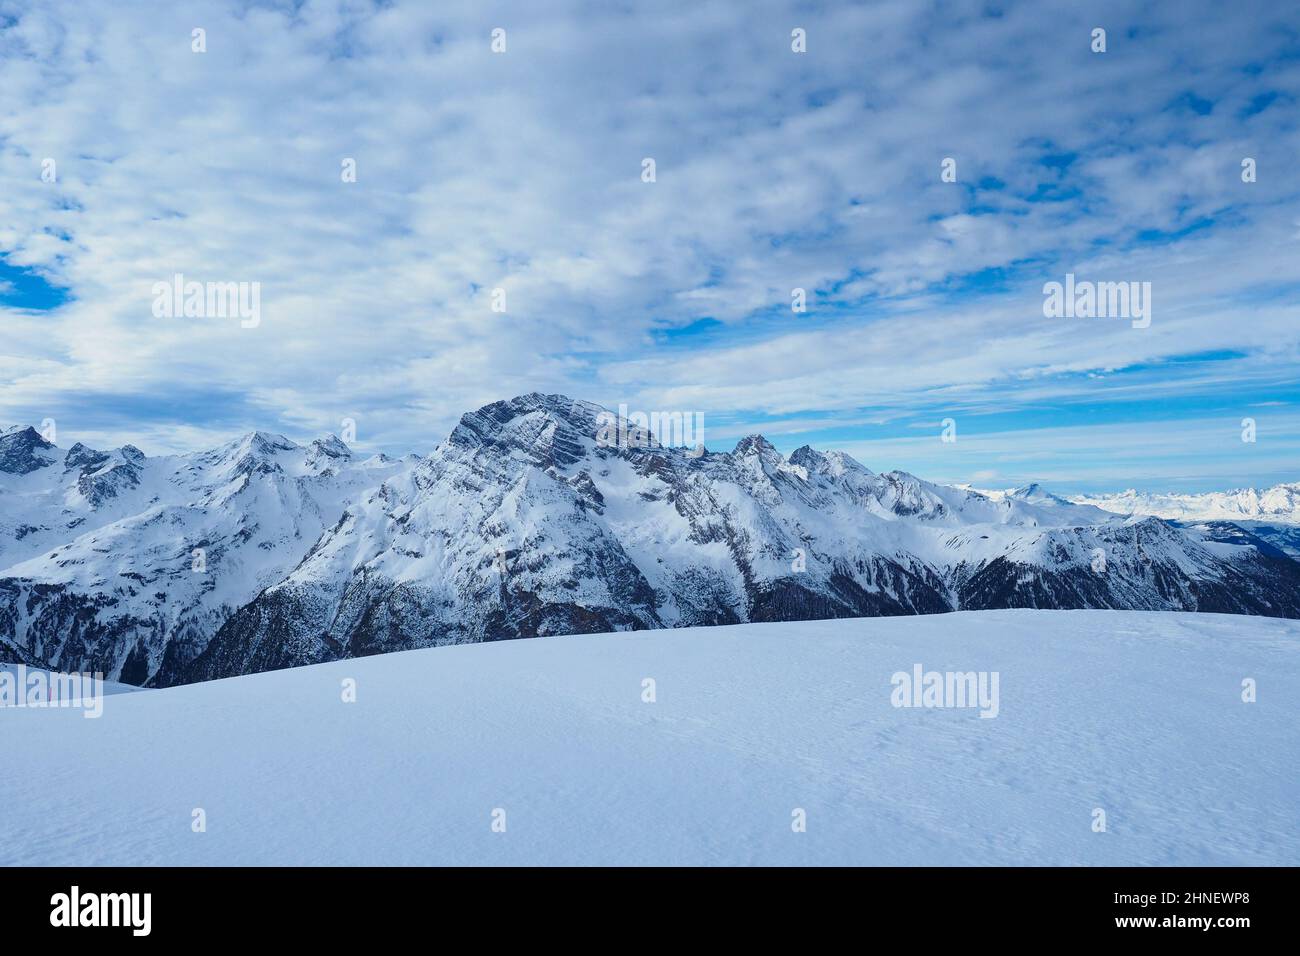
(264,553)
(1281,504)
(1272,514)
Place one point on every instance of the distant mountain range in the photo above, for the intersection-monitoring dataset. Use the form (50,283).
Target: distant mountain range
(264,553)
(1272,514)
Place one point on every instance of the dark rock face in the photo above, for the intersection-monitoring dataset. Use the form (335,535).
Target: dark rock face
(23,451)
(1145,573)
(108,475)
(1275,540)
(66,630)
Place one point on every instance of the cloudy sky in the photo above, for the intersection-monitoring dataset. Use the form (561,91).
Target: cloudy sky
(774,170)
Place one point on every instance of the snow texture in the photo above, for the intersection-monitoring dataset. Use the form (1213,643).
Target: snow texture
(1137,713)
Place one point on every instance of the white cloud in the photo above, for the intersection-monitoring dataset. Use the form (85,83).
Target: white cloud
(522,171)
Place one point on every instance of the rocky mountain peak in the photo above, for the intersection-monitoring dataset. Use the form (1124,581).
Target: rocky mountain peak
(833,463)
(757,445)
(23,450)
(331,448)
(132,454)
(549,430)
(83,456)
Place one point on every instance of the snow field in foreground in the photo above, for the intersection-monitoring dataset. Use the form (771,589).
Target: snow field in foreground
(1139,714)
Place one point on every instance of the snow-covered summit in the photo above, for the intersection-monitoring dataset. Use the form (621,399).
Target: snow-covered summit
(23,450)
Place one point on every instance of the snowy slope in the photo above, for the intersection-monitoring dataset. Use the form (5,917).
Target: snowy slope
(46,677)
(1139,714)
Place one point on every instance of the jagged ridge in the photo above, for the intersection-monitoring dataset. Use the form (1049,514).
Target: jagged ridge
(523,523)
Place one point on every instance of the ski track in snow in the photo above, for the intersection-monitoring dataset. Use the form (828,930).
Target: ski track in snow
(1135,712)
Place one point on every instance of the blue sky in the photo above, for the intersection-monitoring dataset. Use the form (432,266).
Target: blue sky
(775,170)
(28,290)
